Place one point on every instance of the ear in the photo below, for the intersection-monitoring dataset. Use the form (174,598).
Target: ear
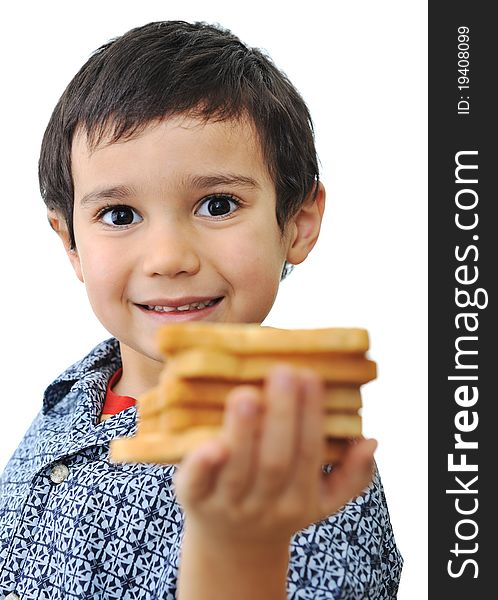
(305,227)
(59,225)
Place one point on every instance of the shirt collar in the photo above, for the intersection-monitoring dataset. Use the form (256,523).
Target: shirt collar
(106,354)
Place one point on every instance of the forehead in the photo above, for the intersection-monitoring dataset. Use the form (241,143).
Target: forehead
(171,149)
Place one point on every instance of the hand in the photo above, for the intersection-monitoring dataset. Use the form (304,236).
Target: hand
(260,481)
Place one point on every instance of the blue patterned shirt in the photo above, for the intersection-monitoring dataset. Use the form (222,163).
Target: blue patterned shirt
(75,526)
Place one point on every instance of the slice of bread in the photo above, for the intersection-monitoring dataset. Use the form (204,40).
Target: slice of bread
(207,363)
(242,339)
(167,448)
(173,391)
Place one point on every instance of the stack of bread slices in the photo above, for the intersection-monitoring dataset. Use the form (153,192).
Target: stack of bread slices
(204,361)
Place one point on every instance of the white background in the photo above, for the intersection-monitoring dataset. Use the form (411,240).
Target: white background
(362,68)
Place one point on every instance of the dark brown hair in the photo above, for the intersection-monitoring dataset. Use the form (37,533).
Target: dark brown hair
(174,67)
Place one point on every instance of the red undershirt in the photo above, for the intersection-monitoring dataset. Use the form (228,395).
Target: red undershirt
(114,403)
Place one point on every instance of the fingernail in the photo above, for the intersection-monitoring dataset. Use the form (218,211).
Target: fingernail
(282,376)
(312,385)
(211,453)
(246,407)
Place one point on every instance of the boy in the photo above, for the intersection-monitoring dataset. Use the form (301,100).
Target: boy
(180,172)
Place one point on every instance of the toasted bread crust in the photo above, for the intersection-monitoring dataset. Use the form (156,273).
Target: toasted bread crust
(242,339)
(175,392)
(213,364)
(161,448)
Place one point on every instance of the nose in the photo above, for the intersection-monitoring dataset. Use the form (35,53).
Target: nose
(169,249)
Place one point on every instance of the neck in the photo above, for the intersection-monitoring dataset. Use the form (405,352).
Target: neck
(140,373)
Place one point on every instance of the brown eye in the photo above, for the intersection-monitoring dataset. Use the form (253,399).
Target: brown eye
(218,206)
(120,216)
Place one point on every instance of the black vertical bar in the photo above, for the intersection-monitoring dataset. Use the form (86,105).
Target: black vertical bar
(463,268)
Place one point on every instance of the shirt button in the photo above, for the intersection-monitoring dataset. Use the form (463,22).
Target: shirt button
(59,473)
(12,596)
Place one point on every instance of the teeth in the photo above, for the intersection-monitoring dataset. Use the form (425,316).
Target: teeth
(162,308)
(193,306)
(184,307)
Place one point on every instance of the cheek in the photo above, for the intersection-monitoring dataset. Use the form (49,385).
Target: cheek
(103,271)
(95,257)
(253,264)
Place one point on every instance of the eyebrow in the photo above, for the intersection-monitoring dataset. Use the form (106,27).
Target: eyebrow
(199,182)
(118,192)
(207,181)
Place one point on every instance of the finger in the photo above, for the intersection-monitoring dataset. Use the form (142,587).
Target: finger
(278,438)
(242,419)
(350,478)
(311,443)
(196,476)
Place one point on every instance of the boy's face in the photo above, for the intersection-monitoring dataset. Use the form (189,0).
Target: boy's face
(182,213)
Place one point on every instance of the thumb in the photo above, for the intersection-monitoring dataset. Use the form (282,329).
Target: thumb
(350,478)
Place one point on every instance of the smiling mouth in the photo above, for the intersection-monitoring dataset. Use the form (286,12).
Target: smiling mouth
(192,307)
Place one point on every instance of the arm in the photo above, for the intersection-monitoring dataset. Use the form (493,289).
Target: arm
(210,571)
(246,493)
